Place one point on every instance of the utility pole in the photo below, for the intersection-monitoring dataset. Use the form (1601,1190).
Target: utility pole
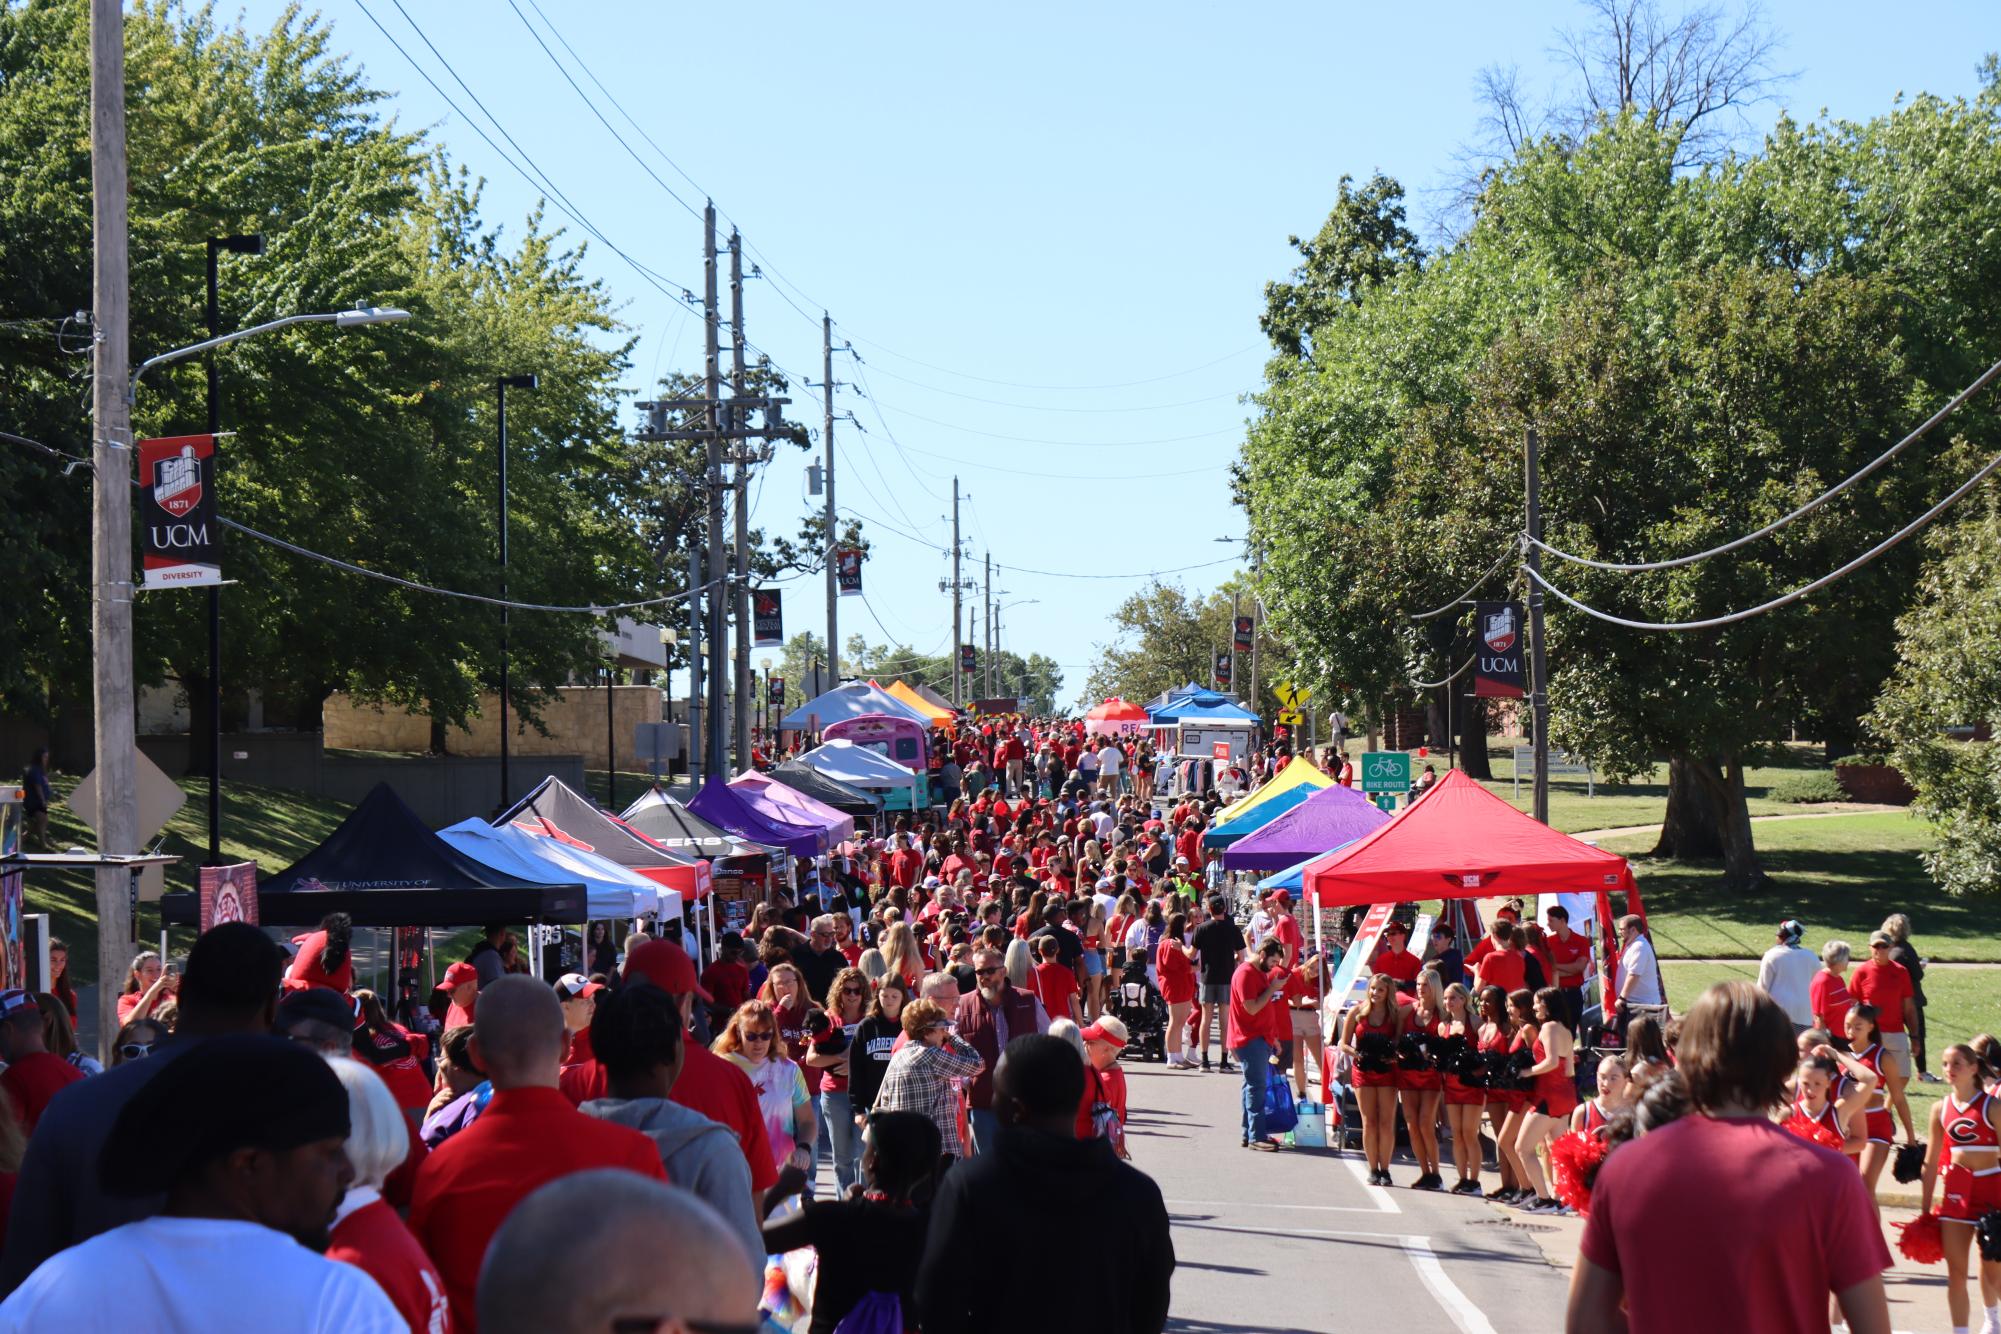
(1538,650)
(740,447)
(718,566)
(696,753)
(987,592)
(958,677)
(111,504)
(827,479)
(1235,680)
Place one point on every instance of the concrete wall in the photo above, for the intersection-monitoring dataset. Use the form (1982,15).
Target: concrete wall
(574,720)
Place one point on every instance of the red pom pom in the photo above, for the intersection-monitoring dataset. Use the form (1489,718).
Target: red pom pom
(1574,1161)
(1920,1240)
(1813,1132)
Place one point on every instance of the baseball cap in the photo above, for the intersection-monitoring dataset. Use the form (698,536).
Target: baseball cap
(1282,894)
(667,966)
(1106,883)
(457,973)
(572,985)
(932,882)
(1792,930)
(323,1004)
(14,1000)
(1181,861)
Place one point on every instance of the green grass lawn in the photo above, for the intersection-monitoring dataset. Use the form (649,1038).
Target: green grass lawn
(1960,1003)
(1841,876)
(1641,800)
(269,826)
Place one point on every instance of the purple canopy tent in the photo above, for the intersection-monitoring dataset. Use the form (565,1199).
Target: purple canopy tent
(778,800)
(731,811)
(1324,821)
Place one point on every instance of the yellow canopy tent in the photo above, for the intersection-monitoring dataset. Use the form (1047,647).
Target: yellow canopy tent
(1301,770)
(918,702)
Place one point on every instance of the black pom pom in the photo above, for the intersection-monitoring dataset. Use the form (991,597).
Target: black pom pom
(1988,1231)
(1907,1164)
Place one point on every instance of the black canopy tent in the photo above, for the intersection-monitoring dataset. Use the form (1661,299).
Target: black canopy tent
(383,867)
(828,791)
(678,829)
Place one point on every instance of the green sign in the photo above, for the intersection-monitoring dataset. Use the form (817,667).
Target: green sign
(1386,771)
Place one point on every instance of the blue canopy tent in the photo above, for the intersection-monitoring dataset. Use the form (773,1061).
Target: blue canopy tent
(852,700)
(1205,707)
(1223,835)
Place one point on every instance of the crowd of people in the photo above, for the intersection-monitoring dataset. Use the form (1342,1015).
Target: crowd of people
(908,1056)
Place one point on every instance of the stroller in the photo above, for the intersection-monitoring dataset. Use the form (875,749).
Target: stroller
(1138,1005)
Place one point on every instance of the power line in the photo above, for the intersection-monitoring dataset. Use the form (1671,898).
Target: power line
(1047,407)
(867,392)
(1951,407)
(1142,574)
(1506,555)
(1066,444)
(596,610)
(1797,593)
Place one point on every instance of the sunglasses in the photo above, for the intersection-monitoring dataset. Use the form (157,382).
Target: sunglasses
(988,972)
(132,1051)
(854,991)
(764,1036)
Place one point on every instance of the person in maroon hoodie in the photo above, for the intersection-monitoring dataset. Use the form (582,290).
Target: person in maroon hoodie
(989,1019)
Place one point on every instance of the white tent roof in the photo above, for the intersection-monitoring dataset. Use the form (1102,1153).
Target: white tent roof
(858,766)
(852,700)
(610,889)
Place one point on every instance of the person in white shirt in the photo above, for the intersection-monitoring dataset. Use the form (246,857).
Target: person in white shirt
(247,1136)
(1110,760)
(1786,975)
(1639,974)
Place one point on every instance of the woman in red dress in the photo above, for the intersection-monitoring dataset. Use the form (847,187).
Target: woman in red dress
(1552,1098)
(1175,967)
(1368,1039)
(1497,1037)
(1420,1086)
(1459,1030)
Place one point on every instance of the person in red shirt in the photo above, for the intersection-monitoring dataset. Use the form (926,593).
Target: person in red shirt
(1055,983)
(528,1135)
(1255,990)
(1392,958)
(1723,1219)
(1886,984)
(461,981)
(1188,843)
(34,1074)
(1285,930)
(905,863)
(1570,956)
(728,979)
(367,1231)
(1503,967)
(324,958)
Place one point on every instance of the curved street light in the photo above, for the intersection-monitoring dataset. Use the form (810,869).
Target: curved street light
(340,319)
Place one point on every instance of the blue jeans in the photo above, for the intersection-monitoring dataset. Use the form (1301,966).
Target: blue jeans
(986,1129)
(1256,1058)
(837,1121)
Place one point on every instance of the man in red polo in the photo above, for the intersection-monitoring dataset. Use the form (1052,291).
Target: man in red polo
(1504,965)
(1394,959)
(528,1135)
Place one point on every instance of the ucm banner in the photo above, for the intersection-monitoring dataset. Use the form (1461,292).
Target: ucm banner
(177,511)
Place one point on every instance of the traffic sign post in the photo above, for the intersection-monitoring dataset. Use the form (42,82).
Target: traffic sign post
(1386,771)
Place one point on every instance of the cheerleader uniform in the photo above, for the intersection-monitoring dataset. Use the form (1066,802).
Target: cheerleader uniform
(1507,1099)
(1880,1128)
(1426,1078)
(1969,1193)
(1377,1079)
(1457,1093)
(1828,1120)
(1555,1091)
(1595,1119)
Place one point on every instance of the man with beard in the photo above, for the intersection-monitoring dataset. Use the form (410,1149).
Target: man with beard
(246,1135)
(989,1019)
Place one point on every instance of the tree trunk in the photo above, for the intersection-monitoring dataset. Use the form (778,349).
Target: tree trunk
(1471,716)
(438,731)
(1436,729)
(196,687)
(1709,817)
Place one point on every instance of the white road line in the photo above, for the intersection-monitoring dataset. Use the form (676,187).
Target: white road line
(1261,1204)
(1466,1317)
(1385,1203)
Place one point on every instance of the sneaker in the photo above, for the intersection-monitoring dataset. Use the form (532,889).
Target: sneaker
(1205,1063)
(1430,1181)
(1468,1188)
(1546,1205)
(1499,1195)
(1929,1078)
(1225,1067)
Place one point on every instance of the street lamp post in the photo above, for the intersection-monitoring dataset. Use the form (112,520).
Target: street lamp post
(764,702)
(500,388)
(252,244)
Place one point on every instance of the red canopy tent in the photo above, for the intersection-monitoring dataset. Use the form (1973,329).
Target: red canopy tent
(1460,841)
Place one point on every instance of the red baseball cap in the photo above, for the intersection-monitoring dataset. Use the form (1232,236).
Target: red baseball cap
(457,973)
(667,966)
(572,985)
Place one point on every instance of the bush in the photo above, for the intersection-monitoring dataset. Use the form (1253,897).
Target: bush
(1807,786)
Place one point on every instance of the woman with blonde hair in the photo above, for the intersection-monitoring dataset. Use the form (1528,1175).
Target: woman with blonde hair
(147,985)
(874,967)
(1020,963)
(751,1041)
(1459,1032)
(1420,1085)
(900,953)
(367,1232)
(847,1002)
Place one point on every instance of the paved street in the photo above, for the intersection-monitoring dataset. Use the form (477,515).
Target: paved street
(1294,1241)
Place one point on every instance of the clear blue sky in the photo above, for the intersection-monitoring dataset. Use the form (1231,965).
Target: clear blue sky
(1046,228)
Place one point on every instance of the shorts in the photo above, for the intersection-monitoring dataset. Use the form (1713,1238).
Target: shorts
(1969,1194)
(1897,1054)
(1374,1079)
(1419,1081)
(1215,993)
(1305,1023)
(1094,963)
(1458,1095)
(1882,1130)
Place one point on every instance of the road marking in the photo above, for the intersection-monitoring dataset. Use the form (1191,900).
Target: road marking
(1385,1203)
(1466,1317)
(1260,1204)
